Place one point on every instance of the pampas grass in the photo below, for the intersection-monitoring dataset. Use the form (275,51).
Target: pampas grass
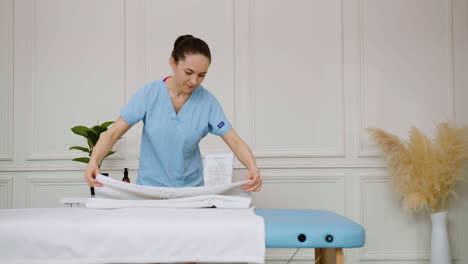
(424,172)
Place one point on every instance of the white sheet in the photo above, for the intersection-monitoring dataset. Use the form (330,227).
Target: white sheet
(130,235)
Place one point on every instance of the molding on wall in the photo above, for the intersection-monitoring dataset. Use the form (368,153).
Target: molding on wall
(362,151)
(388,255)
(251,76)
(120,147)
(241,67)
(32,153)
(8,184)
(293,153)
(360,87)
(451,70)
(134,166)
(300,153)
(343,126)
(304,177)
(68,155)
(310,177)
(32,183)
(235,58)
(8,127)
(143,45)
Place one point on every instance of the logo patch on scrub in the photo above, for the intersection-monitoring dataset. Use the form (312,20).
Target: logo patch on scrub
(220,125)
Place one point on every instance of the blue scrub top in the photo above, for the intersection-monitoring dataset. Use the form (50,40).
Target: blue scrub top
(170,155)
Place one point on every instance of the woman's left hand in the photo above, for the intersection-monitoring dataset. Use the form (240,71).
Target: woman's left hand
(255,183)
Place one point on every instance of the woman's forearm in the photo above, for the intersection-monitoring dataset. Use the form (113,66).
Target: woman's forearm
(244,154)
(240,149)
(104,145)
(246,157)
(107,140)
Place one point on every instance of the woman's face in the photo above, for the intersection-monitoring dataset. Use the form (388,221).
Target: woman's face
(191,72)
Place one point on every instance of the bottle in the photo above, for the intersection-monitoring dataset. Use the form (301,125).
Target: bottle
(125,178)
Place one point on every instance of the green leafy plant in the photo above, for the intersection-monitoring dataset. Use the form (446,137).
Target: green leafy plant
(91,135)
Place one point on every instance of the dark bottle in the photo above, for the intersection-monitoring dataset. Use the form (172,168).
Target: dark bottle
(125,178)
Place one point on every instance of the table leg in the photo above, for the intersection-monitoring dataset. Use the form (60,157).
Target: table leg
(329,256)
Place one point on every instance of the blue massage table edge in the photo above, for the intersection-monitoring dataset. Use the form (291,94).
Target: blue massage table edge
(310,228)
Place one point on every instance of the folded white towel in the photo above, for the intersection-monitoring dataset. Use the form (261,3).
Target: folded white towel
(202,201)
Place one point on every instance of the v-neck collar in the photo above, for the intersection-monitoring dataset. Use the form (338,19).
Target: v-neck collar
(172,110)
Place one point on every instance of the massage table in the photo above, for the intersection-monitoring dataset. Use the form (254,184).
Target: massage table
(323,230)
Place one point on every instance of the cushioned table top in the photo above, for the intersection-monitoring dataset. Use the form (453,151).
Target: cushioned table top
(307,228)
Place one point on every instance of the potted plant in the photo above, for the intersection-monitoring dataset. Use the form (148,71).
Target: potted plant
(92,136)
(424,173)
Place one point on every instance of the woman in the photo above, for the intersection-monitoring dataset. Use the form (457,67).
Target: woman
(177,113)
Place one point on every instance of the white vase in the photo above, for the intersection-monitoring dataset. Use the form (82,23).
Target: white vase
(440,248)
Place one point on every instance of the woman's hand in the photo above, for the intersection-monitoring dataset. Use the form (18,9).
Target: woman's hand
(102,148)
(90,174)
(255,183)
(246,157)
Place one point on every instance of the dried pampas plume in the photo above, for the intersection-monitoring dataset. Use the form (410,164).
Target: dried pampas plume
(424,172)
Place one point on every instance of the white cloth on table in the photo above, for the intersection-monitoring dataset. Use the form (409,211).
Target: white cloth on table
(130,235)
(139,229)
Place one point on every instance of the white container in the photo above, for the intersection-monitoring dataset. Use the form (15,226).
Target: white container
(440,249)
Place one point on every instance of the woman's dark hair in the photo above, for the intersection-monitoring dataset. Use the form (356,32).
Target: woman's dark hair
(188,44)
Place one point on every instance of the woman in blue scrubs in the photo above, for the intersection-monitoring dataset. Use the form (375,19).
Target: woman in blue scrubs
(177,112)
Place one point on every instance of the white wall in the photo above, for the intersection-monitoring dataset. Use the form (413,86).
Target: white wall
(299,79)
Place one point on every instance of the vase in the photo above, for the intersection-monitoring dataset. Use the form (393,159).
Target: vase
(440,248)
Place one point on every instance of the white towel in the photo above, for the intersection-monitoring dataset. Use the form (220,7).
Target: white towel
(118,194)
(130,235)
(129,191)
(202,201)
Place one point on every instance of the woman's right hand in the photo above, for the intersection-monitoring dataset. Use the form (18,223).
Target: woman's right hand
(90,175)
